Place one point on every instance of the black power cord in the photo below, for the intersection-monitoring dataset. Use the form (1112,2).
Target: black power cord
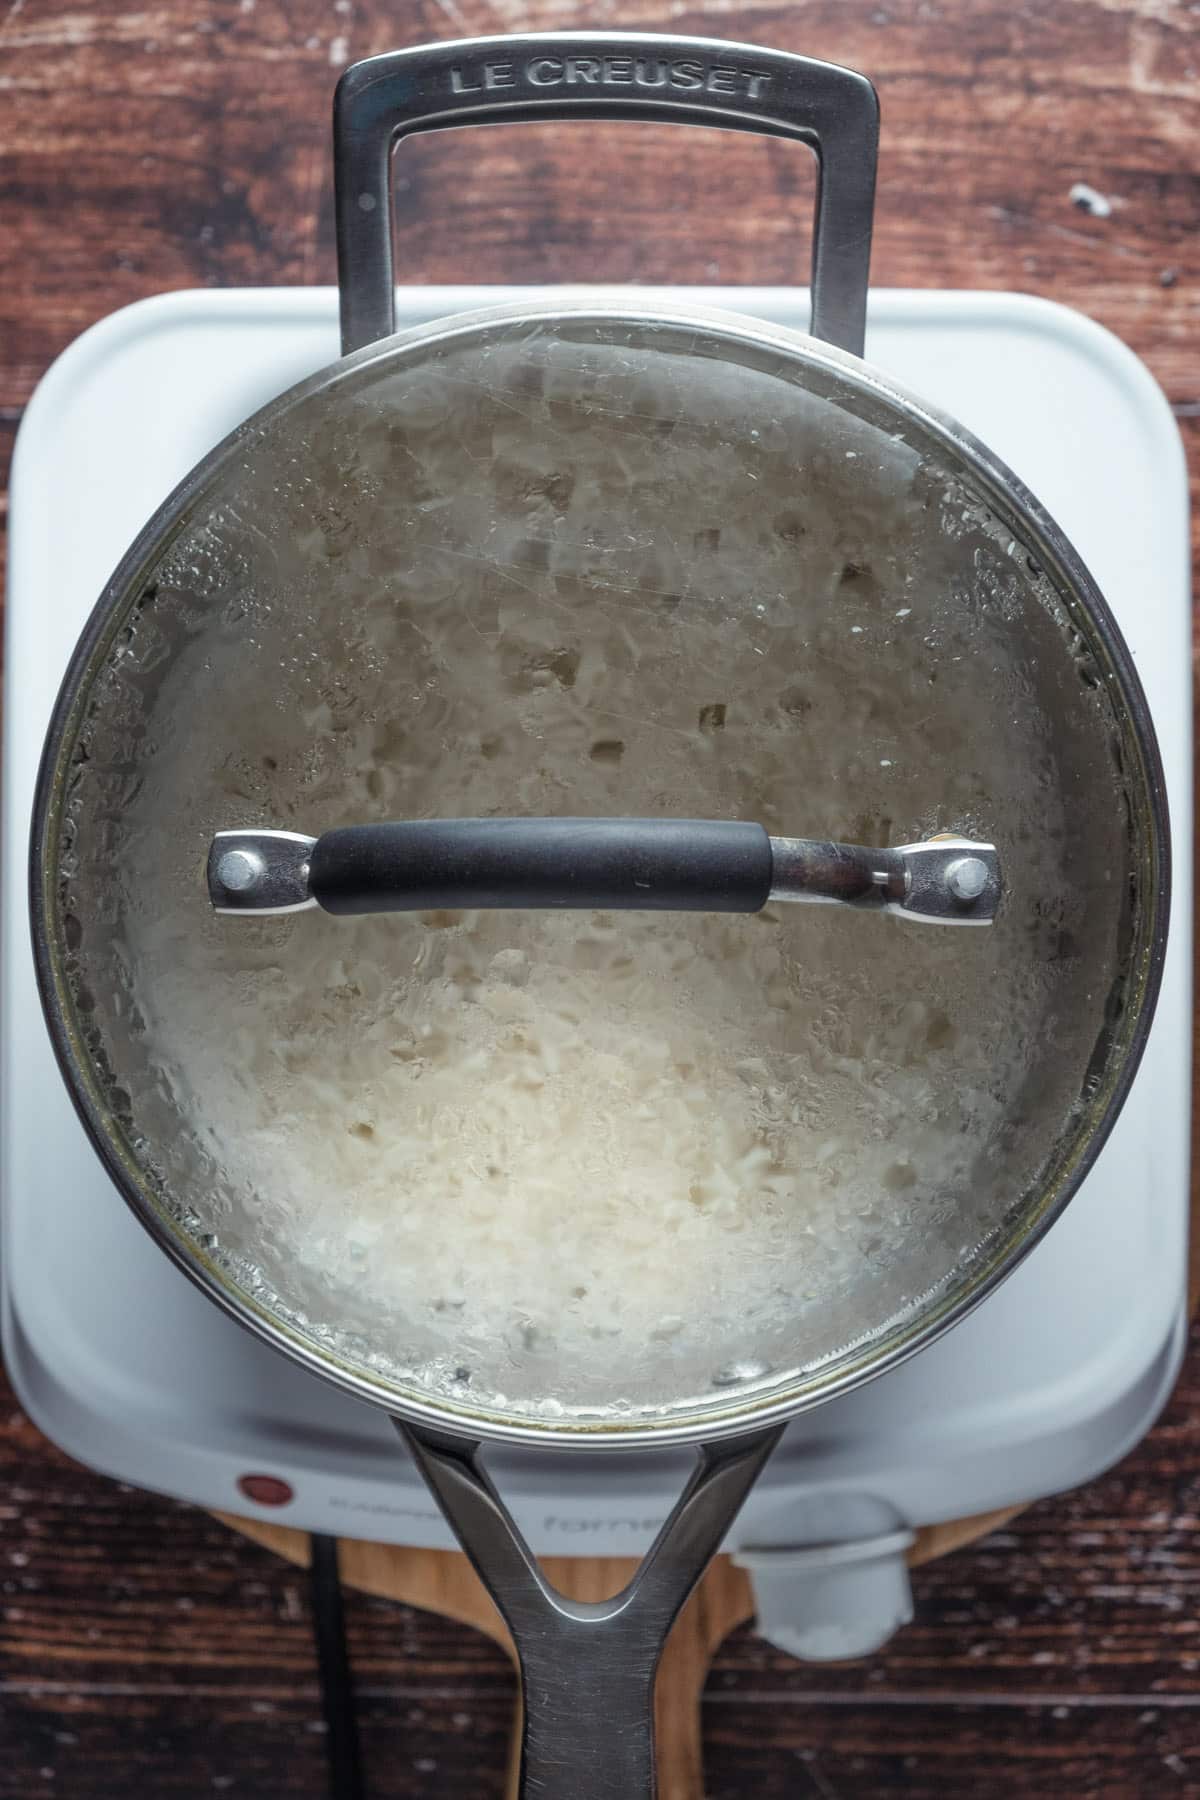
(333,1664)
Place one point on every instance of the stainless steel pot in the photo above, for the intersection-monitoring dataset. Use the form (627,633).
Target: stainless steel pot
(274,518)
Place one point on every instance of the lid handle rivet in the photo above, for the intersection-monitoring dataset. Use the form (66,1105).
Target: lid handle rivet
(967,877)
(239,870)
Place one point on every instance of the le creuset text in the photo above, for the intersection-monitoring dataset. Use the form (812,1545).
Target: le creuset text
(611,72)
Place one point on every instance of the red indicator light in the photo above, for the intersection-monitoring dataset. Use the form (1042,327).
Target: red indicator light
(265,1490)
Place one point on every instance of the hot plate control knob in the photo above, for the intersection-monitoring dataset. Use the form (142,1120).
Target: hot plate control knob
(832,1601)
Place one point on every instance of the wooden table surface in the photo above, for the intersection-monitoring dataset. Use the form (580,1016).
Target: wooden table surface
(145,1649)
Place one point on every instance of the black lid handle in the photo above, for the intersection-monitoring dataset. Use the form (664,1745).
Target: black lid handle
(654,865)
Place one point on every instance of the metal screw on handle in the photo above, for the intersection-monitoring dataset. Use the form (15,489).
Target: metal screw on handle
(592,74)
(588,1667)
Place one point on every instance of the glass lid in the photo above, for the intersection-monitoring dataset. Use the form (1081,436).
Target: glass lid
(600,1171)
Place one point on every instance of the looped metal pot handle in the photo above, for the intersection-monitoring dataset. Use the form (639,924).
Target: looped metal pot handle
(623,75)
(588,1667)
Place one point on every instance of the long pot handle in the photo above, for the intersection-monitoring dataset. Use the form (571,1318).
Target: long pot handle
(632,865)
(623,75)
(588,1667)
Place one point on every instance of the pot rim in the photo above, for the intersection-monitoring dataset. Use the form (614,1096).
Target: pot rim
(927,1320)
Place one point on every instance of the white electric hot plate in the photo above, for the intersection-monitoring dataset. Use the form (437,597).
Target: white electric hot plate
(122,1363)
